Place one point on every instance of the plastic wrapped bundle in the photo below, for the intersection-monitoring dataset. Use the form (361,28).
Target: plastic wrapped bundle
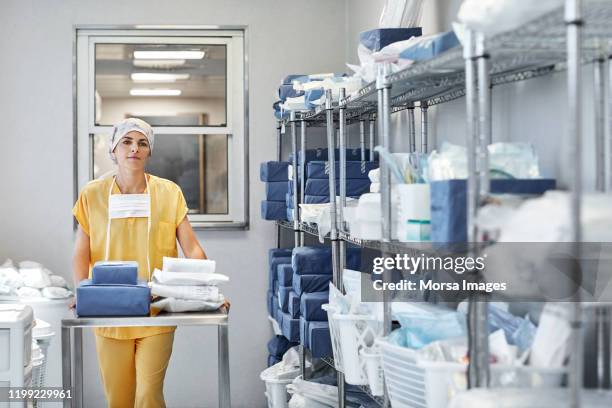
(426,48)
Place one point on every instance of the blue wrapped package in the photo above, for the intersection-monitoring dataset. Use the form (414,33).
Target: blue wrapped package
(288,80)
(273,360)
(274,253)
(287,91)
(276,190)
(283,298)
(273,210)
(273,271)
(279,114)
(270,302)
(278,314)
(448,204)
(274,171)
(320,187)
(310,306)
(290,327)
(317,260)
(310,283)
(294,304)
(284,272)
(278,345)
(430,47)
(113,300)
(115,272)
(319,339)
(376,40)
(322,155)
(354,170)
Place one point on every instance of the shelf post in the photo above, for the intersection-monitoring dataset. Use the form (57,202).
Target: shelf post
(279,154)
(296,219)
(601,120)
(342,164)
(372,126)
(411,128)
(424,134)
(362,143)
(302,166)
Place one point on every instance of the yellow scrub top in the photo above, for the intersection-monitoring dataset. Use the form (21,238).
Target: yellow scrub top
(128,236)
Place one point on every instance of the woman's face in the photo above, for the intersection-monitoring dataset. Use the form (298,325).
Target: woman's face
(133,151)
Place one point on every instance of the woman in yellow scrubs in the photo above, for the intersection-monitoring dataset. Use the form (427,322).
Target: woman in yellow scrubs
(132,216)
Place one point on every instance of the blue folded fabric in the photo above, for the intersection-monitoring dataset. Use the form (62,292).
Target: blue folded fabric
(288,80)
(113,300)
(449,201)
(278,345)
(273,270)
(278,113)
(274,253)
(310,283)
(318,260)
(276,190)
(294,304)
(274,171)
(273,360)
(320,187)
(284,274)
(376,40)
(287,91)
(278,314)
(275,287)
(354,170)
(429,48)
(310,306)
(273,210)
(269,301)
(283,297)
(290,327)
(115,272)
(319,339)
(322,155)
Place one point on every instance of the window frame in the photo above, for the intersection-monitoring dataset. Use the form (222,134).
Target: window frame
(235,39)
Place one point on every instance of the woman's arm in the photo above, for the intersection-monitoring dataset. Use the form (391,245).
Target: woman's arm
(188,241)
(80,258)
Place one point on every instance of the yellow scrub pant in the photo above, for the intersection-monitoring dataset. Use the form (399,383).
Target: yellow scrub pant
(133,370)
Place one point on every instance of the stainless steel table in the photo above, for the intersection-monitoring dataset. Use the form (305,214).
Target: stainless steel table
(76,325)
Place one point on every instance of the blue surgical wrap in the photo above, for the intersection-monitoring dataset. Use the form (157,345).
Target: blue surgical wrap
(449,202)
(310,283)
(290,327)
(273,360)
(376,40)
(320,187)
(278,345)
(274,253)
(273,210)
(288,80)
(318,260)
(113,300)
(276,190)
(273,271)
(310,306)
(287,91)
(429,48)
(284,273)
(270,302)
(319,339)
(294,304)
(278,314)
(274,171)
(115,272)
(354,170)
(283,298)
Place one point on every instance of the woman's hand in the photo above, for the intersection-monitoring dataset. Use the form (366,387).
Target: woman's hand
(227,305)
(72,304)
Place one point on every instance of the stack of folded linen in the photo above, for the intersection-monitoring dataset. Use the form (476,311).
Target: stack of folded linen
(276,257)
(31,280)
(187,285)
(113,290)
(274,175)
(277,347)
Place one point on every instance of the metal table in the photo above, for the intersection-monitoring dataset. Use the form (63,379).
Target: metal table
(76,325)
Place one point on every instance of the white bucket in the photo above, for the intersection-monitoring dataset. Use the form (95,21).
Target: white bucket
(373,369)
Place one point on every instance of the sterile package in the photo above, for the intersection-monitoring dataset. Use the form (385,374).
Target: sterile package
(115,272)
(376,40)
(276,190)
(319,339)
(273,360)
(283,298)
(277,313)
(310,306)
(278,346)
(273,210)
(288,91)
(185,292)
(112,300)
(290,327)
(310,283)
(418,330)
(188,265)
(188,278)
(284,274)
(270,301)
(273,271)
(274,253)
(294,304)
(320,187)
(318,260)
(174,305)
(53,292)
(425,48)
(289,79)
(401,13)
(354,169)
(273,171)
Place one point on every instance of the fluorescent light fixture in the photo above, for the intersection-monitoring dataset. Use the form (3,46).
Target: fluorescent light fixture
(169,55)
(159,63)
(157,77)
(155,92)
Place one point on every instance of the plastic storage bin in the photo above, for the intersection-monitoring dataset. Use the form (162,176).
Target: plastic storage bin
(414,383)
(350,334)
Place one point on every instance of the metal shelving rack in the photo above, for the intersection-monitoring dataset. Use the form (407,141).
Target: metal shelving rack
(562,40)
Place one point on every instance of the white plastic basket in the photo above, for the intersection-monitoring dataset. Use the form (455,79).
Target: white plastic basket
(276,393)
(414,383)
(350,334)
(373,368)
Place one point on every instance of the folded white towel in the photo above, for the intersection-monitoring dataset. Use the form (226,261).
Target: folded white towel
(188,278)
(174,305)
(188,265)
(206,293)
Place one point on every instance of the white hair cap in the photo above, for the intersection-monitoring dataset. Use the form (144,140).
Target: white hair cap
(130,125)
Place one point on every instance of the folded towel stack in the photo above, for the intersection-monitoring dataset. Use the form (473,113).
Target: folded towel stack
(274,175)
(187,285)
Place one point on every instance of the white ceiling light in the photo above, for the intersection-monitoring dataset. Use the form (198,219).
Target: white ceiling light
(157,77)
(159,63)
(169,55)
(155,92)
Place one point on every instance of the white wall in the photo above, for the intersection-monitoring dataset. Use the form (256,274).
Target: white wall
(36,145)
